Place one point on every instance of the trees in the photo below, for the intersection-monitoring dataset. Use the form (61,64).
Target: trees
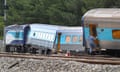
(18,12)
(112,3)
(1,7)
(1,27)
(62,12)
(66,12)
(91,4)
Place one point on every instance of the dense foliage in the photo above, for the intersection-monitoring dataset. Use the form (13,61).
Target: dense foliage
(60,12)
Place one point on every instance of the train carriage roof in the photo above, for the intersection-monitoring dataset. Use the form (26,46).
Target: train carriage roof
(46,26)
(71,29)
(15,27)
(102,15)
(55,28)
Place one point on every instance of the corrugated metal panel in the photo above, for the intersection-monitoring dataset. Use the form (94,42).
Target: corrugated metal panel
(71,29)
(42,35)
(15,27)
(45,26)
(104,15)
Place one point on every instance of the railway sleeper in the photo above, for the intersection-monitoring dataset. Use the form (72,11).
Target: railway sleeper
(13,65)
(18,49)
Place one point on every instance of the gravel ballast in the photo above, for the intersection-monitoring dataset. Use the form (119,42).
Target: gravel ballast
(32,65)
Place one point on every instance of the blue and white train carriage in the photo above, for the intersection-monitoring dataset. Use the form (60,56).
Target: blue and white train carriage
(103,23)
(71,38)
(15,37)
(38,37)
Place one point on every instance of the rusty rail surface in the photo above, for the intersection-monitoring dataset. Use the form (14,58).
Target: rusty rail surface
(96,59)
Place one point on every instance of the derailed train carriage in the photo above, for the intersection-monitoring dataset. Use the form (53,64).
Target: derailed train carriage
(103,23)
(14,37)
(41,37)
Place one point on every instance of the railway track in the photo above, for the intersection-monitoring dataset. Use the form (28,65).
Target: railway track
(96,59)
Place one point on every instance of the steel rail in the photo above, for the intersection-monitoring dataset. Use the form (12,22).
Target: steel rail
(85,59)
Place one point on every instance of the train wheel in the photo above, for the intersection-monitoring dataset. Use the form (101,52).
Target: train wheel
(49,51)
(24,49)
(28,49)
(89,51)
(113,52)
(43,51)
(7,49)
(110,52)
(33,50)
(18,49)
(12,49)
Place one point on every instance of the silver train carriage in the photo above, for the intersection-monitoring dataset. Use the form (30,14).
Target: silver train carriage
(103,23)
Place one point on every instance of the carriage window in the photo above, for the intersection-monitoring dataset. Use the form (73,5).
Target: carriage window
(116,34)
(75,39)
(67,39)
(33,34)
(17,34)
(102,30)
(81,38)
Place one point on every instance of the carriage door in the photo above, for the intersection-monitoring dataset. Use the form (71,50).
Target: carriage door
(93,32)
(58,42)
